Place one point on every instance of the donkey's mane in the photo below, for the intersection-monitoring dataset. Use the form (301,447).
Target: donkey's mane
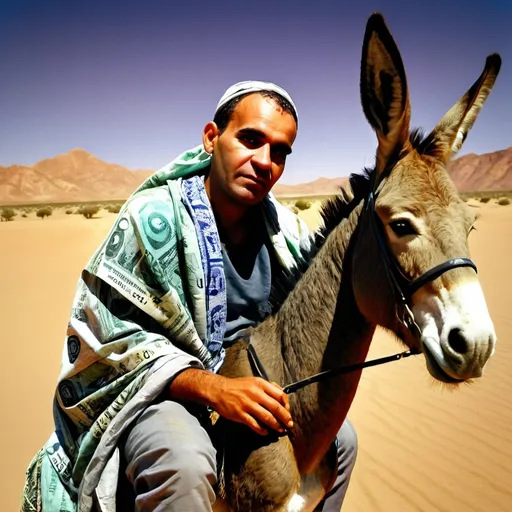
(425,144)
(333,211)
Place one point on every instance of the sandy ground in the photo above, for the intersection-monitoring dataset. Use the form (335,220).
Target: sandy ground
(421,447)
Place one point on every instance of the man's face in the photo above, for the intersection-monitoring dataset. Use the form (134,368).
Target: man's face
(249,156)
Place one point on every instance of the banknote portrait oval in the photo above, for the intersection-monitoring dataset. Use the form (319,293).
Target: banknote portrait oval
(159,230)
(67,393)
(73,348)
(115,243)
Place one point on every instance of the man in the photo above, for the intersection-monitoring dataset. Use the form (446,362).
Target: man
(187,266)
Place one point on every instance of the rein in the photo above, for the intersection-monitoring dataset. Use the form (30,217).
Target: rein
(259,370)
(403,289)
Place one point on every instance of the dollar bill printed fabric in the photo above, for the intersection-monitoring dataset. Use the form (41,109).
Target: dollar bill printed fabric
(150,302)
(209,244)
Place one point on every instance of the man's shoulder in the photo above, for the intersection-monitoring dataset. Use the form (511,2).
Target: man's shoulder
(161,197)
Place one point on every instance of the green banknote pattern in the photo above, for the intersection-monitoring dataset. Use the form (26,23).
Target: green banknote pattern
(140,297)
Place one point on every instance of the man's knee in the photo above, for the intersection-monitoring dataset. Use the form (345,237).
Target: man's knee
(194,467)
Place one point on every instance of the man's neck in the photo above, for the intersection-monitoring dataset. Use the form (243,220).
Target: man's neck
(230,216)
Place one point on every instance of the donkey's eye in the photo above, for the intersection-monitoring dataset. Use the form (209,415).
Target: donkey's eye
(402,228)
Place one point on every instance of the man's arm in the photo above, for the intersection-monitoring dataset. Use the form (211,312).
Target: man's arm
(249,400)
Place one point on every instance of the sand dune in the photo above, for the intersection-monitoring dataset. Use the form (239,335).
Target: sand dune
(422,447)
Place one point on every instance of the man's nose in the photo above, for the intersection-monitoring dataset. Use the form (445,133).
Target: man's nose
(262,157)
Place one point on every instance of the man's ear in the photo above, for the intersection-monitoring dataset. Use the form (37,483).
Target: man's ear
(210,135)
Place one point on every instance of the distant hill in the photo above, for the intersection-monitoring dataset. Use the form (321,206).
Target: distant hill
(489,171)
(74,176)
(79,176)
(321,186)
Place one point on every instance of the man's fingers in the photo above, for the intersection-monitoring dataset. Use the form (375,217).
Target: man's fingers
(274,390)
(283,396)
(286,402)
(256,403)
(265,416)
(280,413)
(252,423)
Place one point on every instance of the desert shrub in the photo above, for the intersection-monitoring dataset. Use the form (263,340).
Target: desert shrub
(113,208)
(503,201)
(303,204)
(7,214)
(24,215)
(485,199)
(44,212)
(69,212)
(88,210)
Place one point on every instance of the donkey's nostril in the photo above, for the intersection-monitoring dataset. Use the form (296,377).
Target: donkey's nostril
(457,341)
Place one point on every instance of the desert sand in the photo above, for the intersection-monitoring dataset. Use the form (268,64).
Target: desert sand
(422,447)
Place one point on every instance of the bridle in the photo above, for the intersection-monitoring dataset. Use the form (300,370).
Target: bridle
(403,289)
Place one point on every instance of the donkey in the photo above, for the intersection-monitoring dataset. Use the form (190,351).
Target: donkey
(392,252)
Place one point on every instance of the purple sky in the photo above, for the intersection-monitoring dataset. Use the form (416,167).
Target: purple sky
(135,84)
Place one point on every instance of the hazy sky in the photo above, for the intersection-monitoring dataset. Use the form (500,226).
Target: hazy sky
(135,82)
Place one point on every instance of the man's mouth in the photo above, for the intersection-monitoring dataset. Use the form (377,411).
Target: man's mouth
(256,180)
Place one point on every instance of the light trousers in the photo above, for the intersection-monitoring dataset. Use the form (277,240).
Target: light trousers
(171,464)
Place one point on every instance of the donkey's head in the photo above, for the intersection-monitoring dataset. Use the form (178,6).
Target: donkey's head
(415,221)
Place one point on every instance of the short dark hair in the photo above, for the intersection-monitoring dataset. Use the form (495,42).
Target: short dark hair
(224,114)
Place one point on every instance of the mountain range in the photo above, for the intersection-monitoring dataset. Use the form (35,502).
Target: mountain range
(78,176)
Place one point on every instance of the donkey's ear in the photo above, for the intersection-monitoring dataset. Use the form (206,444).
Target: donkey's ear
(384,94)
(450,133)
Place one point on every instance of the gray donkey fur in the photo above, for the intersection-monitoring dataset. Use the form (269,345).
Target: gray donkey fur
(335,300)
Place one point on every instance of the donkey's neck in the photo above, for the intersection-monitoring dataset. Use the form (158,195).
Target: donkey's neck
(320,327)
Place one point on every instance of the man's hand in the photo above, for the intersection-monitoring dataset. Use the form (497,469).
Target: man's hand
(249,400)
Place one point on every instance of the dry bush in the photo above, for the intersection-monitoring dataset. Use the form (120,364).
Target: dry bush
(44,212)
(7,214)
(69,212)
(503,201)
(24,215)
(485,199)
(113,208)
(303,204)
(88,210)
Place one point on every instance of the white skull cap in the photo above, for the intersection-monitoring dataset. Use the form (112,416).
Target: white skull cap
(248,86)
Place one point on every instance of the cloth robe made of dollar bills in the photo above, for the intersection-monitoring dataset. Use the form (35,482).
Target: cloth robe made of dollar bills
(150,302)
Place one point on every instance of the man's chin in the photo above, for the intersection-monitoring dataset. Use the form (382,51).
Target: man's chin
(249,195)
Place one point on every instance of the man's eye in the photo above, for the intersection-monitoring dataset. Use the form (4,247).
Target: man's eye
(280,153)
(251,141)
(402,228)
